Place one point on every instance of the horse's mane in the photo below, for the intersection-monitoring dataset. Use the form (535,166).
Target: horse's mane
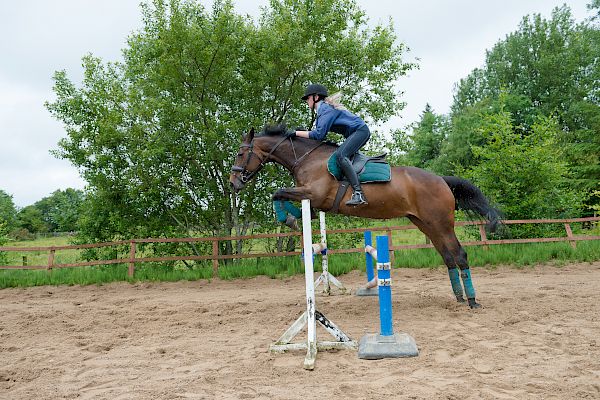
(281,129)
(273,130)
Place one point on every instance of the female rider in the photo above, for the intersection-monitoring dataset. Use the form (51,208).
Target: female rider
(332,116)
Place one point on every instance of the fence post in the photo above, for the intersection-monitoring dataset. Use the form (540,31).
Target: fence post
(389,235)
(570,235)
(51,258)
(24,261)
(215,261)
(483,236)
(131,269)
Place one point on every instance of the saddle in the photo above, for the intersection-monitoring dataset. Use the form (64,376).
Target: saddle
(368,169)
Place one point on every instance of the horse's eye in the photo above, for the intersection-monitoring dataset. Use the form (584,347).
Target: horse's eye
(240,154)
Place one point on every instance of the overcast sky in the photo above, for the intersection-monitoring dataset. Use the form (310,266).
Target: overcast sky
(38,37)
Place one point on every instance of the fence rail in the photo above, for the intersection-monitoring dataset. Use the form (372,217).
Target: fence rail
(216,257)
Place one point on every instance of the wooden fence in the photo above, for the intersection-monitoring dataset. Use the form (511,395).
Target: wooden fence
(215,256)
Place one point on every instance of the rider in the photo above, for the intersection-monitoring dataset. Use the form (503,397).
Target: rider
(332,116)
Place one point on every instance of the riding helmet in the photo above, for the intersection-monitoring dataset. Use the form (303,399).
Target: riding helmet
(315,88)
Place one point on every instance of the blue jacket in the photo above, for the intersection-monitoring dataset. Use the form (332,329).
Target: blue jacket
(339,121)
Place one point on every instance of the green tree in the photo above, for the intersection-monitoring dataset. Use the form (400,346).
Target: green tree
(426,139)
(60,211)
(8,211)
(154,136)
(397,147)
(522,173)
(594,6)
(545,68)
(32,219)
(3,241)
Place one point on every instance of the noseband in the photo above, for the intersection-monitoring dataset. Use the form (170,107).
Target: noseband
(246,175)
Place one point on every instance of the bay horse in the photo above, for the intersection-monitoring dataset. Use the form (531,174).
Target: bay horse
(427,200)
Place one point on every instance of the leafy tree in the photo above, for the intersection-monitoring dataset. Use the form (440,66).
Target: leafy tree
(32,219)
(3,241)
(426,139)
(8,211)
(545,68)
(154,136)
(594,5)
(397,147)
(60,211)
(522,173)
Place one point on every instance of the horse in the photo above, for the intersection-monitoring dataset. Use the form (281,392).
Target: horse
(429,201)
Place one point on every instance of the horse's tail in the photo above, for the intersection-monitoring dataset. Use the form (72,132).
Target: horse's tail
(470,199)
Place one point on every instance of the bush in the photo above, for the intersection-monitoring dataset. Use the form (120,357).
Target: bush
(21,234)
(3,241)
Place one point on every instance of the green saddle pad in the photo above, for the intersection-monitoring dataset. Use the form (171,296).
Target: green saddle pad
(374,171)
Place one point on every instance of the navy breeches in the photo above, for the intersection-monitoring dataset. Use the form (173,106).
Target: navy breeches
(352,144)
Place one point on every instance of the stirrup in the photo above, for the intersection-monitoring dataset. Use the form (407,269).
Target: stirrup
(358,198)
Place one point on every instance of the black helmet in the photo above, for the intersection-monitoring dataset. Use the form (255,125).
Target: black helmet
(315,88)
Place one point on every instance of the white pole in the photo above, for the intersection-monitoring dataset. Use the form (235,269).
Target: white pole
(310,286)
(324,258)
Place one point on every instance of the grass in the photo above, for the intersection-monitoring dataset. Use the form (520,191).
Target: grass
(519,255)
(41,257)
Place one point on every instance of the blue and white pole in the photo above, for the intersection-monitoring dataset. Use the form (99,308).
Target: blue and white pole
(384,283)
(386,344)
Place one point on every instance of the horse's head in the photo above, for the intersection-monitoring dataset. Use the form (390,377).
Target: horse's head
(248,162)
(255,152)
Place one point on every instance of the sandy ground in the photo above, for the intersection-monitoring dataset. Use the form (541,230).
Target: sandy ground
(538,337)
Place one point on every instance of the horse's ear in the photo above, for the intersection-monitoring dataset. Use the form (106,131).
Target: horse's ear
(250,136)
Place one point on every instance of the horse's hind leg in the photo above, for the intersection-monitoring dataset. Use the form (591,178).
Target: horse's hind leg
(446,243)
(465,274)
(453,273)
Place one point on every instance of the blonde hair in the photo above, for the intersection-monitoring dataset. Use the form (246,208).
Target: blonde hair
(335,101)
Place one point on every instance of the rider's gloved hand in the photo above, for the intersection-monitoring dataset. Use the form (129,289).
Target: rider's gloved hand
(290,133)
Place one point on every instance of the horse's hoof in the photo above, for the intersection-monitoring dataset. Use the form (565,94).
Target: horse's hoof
(292,222)
(473,304)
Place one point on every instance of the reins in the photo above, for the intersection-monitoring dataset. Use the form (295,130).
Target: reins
(245,175)
(298,160)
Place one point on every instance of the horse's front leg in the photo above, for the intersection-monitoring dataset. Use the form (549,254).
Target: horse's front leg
(285,211)
(292,194)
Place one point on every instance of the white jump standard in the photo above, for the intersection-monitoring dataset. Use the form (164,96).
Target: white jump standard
(386,344)
(311,315)
(325,276)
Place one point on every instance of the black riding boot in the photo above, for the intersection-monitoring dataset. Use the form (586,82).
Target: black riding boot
(358,197)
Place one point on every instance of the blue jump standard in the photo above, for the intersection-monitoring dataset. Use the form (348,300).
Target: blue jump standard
(386,344)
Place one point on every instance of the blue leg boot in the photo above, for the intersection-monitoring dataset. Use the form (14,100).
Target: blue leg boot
(465,274)
(456,285)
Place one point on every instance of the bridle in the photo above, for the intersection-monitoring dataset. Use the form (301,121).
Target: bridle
(246,175)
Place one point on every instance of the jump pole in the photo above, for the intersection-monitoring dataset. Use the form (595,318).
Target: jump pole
(326,278)
(386,344)
(311,315)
